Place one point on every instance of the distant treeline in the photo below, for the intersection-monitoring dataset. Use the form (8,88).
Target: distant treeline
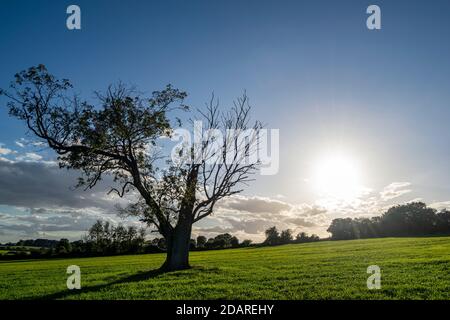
(273,237)
(221,241)
(103,239)
(412,219)
(44,243)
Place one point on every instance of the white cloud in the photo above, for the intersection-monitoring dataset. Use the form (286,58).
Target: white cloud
(29,156)
(41,184)
(395,190)
(249,216)
(441,205)
(5,151)
(25,153)
(51,205)
(254,204)
(55,223)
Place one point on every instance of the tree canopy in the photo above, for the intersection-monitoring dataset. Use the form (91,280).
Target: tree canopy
(411,219)
(114,137)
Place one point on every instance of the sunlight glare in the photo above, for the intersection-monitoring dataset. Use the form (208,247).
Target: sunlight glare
(337,176)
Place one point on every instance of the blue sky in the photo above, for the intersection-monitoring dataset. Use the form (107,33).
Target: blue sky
(311,68)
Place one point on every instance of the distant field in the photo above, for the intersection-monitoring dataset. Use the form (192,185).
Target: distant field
(412,268)
(23,249)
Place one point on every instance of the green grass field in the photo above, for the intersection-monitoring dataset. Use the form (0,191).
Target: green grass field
(412,268)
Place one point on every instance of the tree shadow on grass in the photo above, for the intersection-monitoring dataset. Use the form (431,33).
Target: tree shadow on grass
(140,276)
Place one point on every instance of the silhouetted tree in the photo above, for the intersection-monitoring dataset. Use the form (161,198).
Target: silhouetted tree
(113,138)
(343,229)
(210,243)
(286,236)
(97,237)
(223,240)
(365,227)
(193,244)
(234,242)
(411,219)
(201,241)
(303,237)
(103,238)
(443,223)
(63,246)
(160,243)
(272,236)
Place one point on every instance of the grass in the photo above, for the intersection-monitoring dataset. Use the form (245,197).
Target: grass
(412,268)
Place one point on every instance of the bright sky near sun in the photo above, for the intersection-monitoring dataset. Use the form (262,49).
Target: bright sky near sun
(338,176)
(363,115)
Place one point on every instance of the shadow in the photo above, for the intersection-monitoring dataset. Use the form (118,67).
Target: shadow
(141,276)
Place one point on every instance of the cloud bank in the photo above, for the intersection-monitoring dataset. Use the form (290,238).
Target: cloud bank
(38,199)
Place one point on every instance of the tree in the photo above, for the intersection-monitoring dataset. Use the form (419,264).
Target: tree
(410,219)
(113,139)
(223,240)
(63,246)
(201,241)
(159,243)
(343,229)
(234,241)
(192,244)
(117,240)
(365,227)
(443,224)
(210,243)
(286,236)
(96,236)
(246,243)
(272,236)
(301,237)
(106,239)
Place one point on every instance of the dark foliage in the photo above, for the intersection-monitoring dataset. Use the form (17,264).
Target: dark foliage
(273,237)
(412,219)
(112,136)
(103,239)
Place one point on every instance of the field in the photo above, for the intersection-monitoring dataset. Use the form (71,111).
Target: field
(412,268)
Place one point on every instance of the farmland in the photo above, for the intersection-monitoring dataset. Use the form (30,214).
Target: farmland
(411,268)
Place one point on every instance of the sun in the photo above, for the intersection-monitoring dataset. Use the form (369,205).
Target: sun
(337,176)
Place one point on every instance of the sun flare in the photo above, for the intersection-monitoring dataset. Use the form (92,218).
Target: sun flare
(337,176)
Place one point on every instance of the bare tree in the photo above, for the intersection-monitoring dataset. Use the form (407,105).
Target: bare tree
(114,138)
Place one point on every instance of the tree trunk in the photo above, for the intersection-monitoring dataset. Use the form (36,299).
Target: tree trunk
(178,247)
(179,240)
